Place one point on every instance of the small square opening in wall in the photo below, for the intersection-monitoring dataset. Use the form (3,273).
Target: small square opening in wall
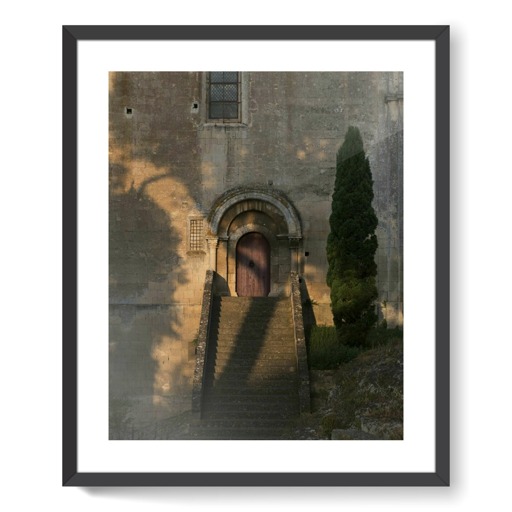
(306,253)
(195,107)
(128,111)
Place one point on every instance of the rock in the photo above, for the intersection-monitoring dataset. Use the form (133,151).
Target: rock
(351,435)
(382,428)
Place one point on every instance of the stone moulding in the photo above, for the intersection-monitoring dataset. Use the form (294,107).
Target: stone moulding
(300,345)
(202,339)
(239,194)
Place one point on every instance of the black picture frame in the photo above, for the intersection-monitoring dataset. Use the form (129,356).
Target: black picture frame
(71,36)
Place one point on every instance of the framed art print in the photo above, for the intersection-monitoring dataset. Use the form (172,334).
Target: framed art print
(256,255)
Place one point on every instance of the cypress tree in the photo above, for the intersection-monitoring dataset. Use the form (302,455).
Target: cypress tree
(352,243)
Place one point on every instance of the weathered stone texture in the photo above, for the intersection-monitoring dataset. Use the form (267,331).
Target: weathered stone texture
(168,164)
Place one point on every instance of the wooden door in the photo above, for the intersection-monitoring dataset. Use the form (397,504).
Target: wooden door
(253,266)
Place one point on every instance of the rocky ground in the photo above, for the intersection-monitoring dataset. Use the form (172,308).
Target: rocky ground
(362,399)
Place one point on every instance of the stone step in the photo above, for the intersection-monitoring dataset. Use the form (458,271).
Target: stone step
(248,313)
(256,345)
(256,334)
(229,394)
(250,349)
(242,311)
(254,387)
(256,342)
(261,326)
(252,352)
(248,339)
(286,367)
(249,415)
(256,404)
(238,389)
(261,322)
(246,413)
(245,424)
(252,391)
(258,377)
(242,305)
(262,369)
(241,318)
(235,434)
(252,300)
(271,365)
(252,338)
(253,312)
(219,413)
(230,403)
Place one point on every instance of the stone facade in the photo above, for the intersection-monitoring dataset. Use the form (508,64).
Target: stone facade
(184,189)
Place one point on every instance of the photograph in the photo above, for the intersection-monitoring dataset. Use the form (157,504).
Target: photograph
(255,255)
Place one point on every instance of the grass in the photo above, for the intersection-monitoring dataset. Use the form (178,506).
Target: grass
(381,336)
(324,350)
(326,353)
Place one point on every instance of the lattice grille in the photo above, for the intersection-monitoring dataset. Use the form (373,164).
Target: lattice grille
(196,234)
(224,95)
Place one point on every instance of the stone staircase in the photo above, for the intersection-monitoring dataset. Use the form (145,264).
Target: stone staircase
(251,384)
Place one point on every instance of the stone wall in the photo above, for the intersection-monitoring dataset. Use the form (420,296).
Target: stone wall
(168,166)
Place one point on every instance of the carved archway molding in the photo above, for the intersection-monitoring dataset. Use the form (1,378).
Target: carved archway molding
(244,194)
(222,235)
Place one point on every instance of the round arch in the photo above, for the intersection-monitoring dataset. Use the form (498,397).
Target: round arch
(269,212)
(247,198)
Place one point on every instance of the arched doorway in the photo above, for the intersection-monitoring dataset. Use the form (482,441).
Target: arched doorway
(245,210)
(253,266)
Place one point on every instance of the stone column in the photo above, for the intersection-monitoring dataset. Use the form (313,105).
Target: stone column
(213,242)
(294,242)
(222,257)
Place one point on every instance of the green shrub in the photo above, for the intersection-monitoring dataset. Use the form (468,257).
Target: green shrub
(381,336)
(352,243)
(324,350)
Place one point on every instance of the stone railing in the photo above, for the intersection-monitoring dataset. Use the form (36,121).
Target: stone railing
(300,344)
(202,340)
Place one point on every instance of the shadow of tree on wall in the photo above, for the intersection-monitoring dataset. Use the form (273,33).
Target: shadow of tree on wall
(152,158)
(249,337)
(142,256)
(141,245)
